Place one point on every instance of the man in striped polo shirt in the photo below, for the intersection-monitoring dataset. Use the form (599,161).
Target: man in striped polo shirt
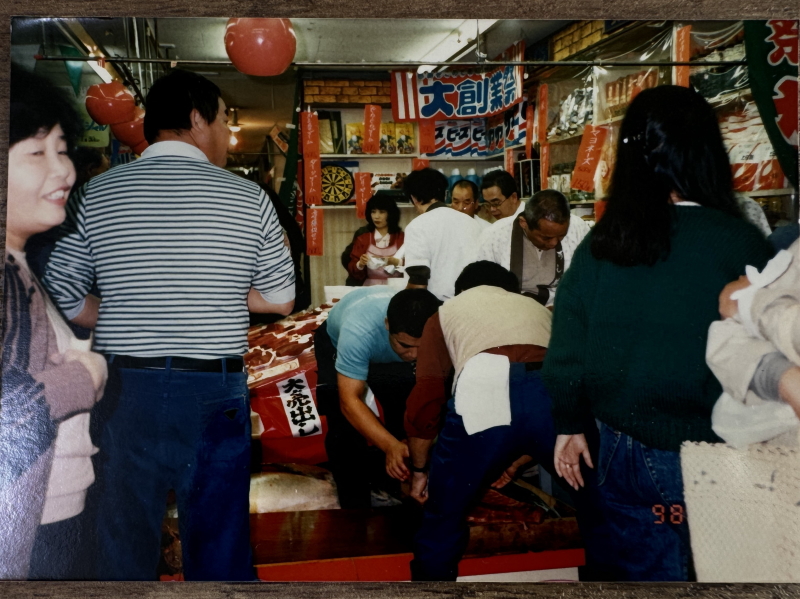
(181,250)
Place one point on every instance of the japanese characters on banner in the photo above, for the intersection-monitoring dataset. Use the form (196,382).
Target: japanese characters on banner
(772,63)
(427,136)
(508,161)
(417,164)
(542,108)
(363,193)
(301,412)
(314,231)
(529,132)
(309,123)
(588,157)
(448,95)
(680,74)
(372,129)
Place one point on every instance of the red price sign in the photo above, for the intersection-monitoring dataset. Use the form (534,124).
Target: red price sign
(529,132)
(544,163)
(588,157)
(363,193)
(372,129)
(313,181)
(683,53)
(314,231)
(542,113)
(417,164)
(309,123)
(427,136)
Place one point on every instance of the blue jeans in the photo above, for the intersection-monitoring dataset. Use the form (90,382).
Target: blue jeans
(187,431)
(463,465)
(642,496)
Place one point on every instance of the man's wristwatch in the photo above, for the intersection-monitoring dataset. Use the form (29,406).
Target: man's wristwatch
(422,470)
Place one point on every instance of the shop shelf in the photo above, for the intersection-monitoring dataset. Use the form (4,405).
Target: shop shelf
(362,156)
(555,140)
(615,119)
(462,158)
(768,192)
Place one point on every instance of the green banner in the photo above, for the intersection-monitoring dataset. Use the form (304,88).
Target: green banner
(74,67)
(290,169)
(772,57)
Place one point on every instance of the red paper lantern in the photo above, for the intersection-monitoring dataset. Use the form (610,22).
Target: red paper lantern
(110,103)
(262,47)
(141,148)
(132,132)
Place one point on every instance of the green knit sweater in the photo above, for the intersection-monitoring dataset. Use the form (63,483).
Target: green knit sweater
(628,343)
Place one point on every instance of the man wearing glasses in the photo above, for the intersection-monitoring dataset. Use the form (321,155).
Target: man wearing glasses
(500,191)
(465,199)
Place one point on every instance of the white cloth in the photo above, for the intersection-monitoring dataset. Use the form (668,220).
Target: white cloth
(485,224)
(495,243)
(482,393)
(758,280)
(444,240)
(754,214)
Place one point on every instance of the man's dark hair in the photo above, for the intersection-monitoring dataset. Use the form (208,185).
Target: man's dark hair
(384,201)
(173,97)
(426,185)
(38,106)
(467,184)
(409,310)
(489,273)
(501,179)
(547,204)
(669,141)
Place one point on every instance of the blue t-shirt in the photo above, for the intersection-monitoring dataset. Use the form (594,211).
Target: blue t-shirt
(356,326)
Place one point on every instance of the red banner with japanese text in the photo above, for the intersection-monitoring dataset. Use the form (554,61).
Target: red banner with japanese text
(314,231)
(588,157)
(417,164)
(529,132)
(312,188)
(544,164)
(309,128)
(508,161)
(427,136)
(683,53)
(363,193)
(372,129)
(542,113)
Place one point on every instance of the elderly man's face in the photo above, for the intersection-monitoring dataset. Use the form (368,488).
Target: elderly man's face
(464,201)
(546,235)
(499,205)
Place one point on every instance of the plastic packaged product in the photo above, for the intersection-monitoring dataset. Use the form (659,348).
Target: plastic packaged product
(406,142)
(388,143)
(355,137)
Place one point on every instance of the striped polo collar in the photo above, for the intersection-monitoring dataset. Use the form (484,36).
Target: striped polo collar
(174,148)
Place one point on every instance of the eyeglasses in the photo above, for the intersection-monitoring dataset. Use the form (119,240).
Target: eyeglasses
(496,204)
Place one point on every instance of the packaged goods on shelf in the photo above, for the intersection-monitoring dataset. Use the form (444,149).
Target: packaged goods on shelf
(354,133)
(406,143)
(388,143)
(383,181)
(619,91)
(576,110)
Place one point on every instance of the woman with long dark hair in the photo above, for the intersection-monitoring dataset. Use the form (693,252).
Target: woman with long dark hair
(372,259)
(631,321)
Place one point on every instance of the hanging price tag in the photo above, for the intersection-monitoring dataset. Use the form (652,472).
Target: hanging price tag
(314,231)
(417,164)
(544,164)
(309,123)
(313,181)
(508,162)
(372,129)
(588,157)
(427,136)
(363,193)
(529,132)
(542,113)
(682,54)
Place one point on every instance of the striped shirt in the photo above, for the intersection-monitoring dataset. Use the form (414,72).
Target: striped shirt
(175,243)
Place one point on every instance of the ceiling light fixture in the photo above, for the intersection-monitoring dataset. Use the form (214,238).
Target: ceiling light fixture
(233,123)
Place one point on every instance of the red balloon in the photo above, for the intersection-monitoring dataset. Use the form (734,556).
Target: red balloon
(110,103)
(132,132)
(262,47)
(138,149)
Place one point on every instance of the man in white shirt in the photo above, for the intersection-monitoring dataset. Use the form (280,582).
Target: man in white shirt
(537,245)
(438,243)
(465,199)
(499,190)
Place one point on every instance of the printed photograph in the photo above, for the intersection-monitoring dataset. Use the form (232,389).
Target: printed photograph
(386,300)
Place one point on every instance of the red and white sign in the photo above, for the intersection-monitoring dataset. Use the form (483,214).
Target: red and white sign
(372,129)
(417,164)
(460,94)
(314,231)
(588,157)
(427,136)
(299,406)
(363,193)
(683,53)
(309,123)
(312,187)
(508,162)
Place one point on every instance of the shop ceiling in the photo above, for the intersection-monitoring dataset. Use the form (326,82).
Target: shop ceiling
(266,101)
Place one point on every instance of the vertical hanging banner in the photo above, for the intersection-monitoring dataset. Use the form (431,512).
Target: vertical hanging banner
(588,157)
(309,123)
(372,129)
(683,53)
(508,161)
(529,132)
(772,62)
(363,193)
(427,136)
(314,231)
(298,404)
(417,164)
(542,113)
(544,164)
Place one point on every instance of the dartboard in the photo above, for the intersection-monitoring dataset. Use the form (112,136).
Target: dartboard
(337,184)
